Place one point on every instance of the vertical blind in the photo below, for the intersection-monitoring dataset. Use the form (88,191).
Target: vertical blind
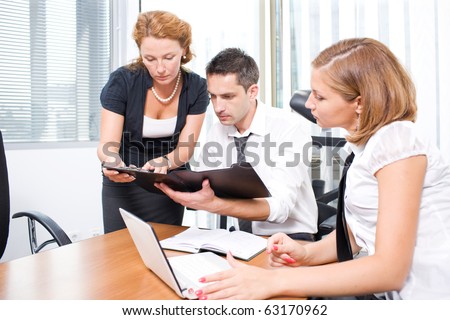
(54,60)
(416,31)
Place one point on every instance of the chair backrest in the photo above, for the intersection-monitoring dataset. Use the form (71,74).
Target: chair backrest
(297,103)
(4,199)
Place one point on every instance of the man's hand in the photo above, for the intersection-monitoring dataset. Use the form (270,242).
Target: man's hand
(204,199)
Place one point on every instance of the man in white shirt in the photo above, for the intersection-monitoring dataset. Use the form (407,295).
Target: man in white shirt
(276,147)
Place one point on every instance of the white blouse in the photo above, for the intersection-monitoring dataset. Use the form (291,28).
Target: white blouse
(158,128)
(429,277)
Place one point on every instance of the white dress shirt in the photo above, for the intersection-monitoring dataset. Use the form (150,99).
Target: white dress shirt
(279,150)
(429,277)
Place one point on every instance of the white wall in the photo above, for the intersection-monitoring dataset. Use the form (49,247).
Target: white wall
(64,183)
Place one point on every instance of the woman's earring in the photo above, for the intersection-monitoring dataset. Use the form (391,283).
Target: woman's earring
(357,123)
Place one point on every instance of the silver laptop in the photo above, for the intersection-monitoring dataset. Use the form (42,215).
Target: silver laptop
(181,273)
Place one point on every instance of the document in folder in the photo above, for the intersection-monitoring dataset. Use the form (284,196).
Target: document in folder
(238,181)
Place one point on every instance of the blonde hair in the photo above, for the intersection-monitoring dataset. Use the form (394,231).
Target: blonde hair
(161,25)
(367,68)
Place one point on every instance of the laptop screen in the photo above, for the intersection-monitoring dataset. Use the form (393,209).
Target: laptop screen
(150,250)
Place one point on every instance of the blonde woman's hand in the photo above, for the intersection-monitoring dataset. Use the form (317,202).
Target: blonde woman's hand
(240,282)
(285,251)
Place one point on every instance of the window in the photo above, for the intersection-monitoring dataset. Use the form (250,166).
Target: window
(54,60)
(416,31)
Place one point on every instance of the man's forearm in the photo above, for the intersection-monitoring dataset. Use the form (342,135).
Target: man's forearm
(249,209)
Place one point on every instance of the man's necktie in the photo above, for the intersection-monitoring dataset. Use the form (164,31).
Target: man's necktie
(244,225)
(240,147)
(344,249)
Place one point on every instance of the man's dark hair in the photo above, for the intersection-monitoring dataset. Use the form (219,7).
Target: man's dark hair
(235,61)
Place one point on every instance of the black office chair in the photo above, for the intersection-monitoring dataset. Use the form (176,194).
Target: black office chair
(327,212)
(4,199)
(58,236)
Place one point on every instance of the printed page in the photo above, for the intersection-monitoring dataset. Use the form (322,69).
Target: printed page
(192,239)
(242,245)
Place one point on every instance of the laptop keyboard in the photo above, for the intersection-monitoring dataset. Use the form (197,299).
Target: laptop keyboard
(191,267)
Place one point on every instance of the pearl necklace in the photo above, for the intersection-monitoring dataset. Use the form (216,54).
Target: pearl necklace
(173,93)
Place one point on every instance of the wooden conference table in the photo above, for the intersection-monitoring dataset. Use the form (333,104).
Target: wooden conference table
(104,267)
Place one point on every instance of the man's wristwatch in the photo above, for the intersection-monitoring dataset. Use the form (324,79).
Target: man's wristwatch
(169,163)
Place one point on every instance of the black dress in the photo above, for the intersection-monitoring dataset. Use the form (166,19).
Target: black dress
(125,94)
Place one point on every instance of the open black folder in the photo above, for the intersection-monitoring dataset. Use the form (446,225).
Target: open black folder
(238,181)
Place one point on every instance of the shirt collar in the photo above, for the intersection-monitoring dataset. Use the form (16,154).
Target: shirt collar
(258,125)
(147,78)
(356,149)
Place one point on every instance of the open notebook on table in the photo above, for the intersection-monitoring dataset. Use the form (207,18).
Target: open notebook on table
(242,245)
(181,273)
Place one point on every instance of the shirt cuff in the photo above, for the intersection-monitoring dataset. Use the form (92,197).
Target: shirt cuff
(274,209)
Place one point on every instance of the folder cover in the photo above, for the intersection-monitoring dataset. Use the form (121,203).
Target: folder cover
(238,181)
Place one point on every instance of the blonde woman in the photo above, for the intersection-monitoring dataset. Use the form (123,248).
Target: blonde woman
(397,206)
